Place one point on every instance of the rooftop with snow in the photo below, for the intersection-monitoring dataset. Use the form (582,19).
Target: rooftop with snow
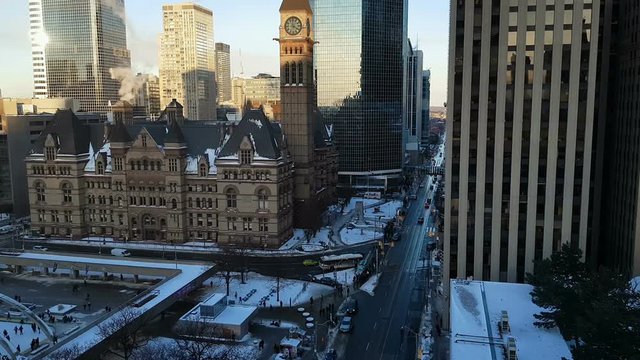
(477,314)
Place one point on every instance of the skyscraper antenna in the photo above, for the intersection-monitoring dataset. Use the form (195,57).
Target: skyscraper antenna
(241,65)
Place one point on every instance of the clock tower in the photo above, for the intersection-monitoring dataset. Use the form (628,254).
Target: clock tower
(297,92)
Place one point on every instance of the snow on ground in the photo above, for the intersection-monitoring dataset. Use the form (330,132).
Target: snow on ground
(344,277)
(358,235)
(317,242)
(476,308)
(370,285)
(295,291)
(387,210)
(352,204)
(24,340)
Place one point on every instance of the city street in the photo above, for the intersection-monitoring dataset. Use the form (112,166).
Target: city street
(399,296)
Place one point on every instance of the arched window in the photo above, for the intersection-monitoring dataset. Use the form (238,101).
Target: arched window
(133,166)
(50,152)
(134,221)
(262,199)
(232,198)
(138,165)
(152,165)
(40,195)
(300,73)
(145,165)
(198,203)
(120,202)
(66,193)
(100,168)
(159,166)
(287,73)
(203,170)
(294,74)
(209,203)
(174,204)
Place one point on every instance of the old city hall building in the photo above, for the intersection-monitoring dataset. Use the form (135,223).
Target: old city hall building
(170,180)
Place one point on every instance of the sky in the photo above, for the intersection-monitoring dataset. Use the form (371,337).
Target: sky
(249,26)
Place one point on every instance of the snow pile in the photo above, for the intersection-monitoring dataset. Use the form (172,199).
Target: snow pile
(387,210)
(370,285)
(359,235)
(317,242)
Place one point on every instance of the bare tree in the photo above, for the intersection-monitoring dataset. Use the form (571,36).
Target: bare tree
(157,351)
(195,340)
(69,353)
(125,331)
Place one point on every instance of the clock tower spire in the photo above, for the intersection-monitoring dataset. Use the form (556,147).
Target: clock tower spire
(297,92)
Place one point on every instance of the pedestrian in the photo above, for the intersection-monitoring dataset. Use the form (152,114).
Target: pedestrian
(270,307)
(89,305)
(18,349)
(33,327)
(121,277)
(38,329)
(8,315)
(8,337)
(311,300)
(21,329)
(55,339)
(85,282)
(37,341)
(211,283)
(235,294)
(15,330)
(261,345)
(401,331)
(84,306)
(280,303)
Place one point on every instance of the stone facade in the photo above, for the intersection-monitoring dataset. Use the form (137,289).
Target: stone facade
(163,181)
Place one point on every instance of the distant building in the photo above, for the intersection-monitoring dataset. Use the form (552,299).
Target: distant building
(492,320)
(227,320)
(187,60)
(426,103)
(260,89)
(21,122)
(412,114)
(72,52)
(168,180)
(358,69)
(223,72)
(147,95)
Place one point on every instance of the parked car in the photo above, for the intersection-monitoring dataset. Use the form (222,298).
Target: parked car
(331,354)
(413,197)
(348,308)
(421,220)
(6,229)
(40,248)
(346,325)
(310,262)
(120,252)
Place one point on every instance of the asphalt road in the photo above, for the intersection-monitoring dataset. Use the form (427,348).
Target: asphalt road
(398,298)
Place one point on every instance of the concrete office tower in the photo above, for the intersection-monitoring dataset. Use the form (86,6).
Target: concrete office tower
(147,94)
(618,209)
(262,88)
(359,67)
(187,60)
(426,103)
(223,72)
(521,111)
(412,115)
(74,43)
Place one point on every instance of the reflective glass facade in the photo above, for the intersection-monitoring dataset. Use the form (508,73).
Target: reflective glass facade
(75,43)
(358,64)
(523,102)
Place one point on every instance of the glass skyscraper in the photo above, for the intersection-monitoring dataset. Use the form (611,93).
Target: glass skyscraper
(358,63)
(74,44)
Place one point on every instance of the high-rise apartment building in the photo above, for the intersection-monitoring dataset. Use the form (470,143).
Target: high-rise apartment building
(426,103)
(617,207)
(263,88)
(74,43)
(362,93)
(412,115)
(522,108)
(187,60)
(223,72)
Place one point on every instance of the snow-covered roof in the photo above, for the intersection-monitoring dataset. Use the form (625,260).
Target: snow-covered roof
(213,299)
(476,310)
(191,168)
(235,315)
(105,151)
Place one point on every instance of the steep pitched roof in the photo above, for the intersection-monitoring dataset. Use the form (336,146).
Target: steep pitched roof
(72,136)
(259,130)
(174,134)
(119,133)
(295,5)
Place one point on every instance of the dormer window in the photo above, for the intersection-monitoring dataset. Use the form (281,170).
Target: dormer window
(245,157)
(203,170)
(144,140)
(100,168)
(50,152)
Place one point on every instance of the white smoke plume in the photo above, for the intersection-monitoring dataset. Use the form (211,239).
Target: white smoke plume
(129,83)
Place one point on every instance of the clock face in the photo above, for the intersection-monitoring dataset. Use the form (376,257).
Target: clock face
(293,25)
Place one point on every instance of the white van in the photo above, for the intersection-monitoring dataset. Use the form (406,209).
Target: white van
(120,252)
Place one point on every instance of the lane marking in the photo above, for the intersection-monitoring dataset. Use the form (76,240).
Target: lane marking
(367,349)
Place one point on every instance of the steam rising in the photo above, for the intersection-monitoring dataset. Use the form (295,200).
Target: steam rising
(129,83)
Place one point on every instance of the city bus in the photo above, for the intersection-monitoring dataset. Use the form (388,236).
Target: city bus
(344,261)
